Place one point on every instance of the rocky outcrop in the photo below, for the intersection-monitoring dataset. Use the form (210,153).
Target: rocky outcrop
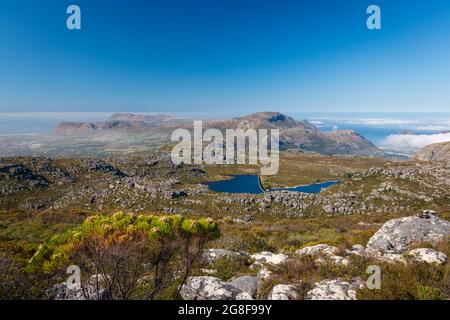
(396,235)
(208,288)
(434,152)
(17,177)
(335,290)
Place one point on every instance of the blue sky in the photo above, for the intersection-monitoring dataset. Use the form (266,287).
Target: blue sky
(217,55)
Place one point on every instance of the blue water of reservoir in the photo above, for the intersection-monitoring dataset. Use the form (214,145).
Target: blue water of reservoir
(250,184)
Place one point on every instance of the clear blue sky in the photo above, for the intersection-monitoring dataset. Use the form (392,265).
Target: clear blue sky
(233,55)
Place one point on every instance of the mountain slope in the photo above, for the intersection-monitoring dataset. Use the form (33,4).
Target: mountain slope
(303,135)
(434,152)
(84,128)
(294,134)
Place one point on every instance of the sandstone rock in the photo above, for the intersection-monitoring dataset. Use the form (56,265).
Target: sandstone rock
(211,255)
(318,249)
(428,255)
(89,292)
(244,296)
(335,290)
(396,235)
(283,292)
(60,291)
(270,258)
(390,257)
(208,288)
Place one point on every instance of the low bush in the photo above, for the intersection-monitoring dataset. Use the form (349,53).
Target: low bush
(129,252)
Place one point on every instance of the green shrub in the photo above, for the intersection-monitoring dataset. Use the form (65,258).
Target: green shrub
(429,293)
(229,267)
(127,248)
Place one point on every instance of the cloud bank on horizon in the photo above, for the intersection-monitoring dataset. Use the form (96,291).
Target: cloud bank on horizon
(410,143)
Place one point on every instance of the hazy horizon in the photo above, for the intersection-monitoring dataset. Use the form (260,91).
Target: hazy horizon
(401,132)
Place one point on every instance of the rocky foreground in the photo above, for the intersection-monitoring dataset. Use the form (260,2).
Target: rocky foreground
(392,244)
(154,183)
(276,245)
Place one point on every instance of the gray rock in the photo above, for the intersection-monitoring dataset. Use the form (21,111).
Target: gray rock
(428,255)
(264,274)
(283,292)
(356,249)
(335,290)
(208,288)
(247,284)
(89,292)
(318,249)
(327,253)
(244,296)
(396,235)
(270,258)
(211,255)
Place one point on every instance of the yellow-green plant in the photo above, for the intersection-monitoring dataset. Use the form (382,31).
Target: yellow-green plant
(129,251)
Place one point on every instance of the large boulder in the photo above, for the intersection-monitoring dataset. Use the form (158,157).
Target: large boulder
(396,235)
(247,284)
(428,255)
(208,288)
(335,290)
(283,292)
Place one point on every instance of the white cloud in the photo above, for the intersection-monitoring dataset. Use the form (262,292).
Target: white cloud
(432,127)
(410,143)
(390,122)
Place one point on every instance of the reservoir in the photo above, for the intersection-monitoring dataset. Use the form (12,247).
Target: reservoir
(250,184)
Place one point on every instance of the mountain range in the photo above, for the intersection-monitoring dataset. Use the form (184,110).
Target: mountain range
(294,134)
